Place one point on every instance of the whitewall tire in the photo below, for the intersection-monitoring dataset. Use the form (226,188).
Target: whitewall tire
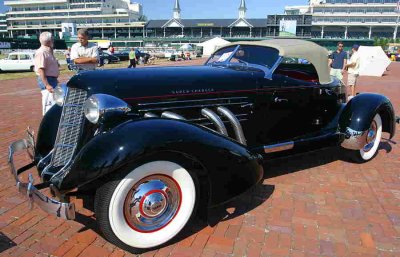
(370,149)
(148,206)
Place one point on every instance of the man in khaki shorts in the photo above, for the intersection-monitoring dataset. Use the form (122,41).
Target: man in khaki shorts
(353,68)
(337,61)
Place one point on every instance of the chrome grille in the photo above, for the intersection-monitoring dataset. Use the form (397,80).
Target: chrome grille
(69,128)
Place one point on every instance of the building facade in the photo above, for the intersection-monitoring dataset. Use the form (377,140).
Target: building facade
(3,25)
(231,29)
(104,18)
(352,19)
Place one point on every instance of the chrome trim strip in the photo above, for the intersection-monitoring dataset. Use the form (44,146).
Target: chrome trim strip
(235,123)
(172,115)
(49,205)
(354,140)
(192,101)
(278,147)
(216,120)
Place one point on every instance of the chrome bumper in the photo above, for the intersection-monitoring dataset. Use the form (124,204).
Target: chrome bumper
(49,205)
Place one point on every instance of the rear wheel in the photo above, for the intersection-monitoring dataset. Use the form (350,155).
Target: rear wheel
(31,68)
(370,149)
(106,61)
(147,207)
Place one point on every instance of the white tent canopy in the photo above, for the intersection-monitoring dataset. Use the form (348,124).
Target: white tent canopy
(373,61)
(186,47)
(211,45)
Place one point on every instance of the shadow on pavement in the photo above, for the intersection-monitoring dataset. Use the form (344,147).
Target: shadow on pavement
(5,243)
(230,210)
(299,162)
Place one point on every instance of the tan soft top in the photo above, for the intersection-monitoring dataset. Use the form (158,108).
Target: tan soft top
(297,48)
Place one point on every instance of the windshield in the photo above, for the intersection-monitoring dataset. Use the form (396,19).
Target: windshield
(221,55)
(248,54)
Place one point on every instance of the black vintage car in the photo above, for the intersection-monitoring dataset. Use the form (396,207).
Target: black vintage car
(153,145)
(106,58)
(124,56)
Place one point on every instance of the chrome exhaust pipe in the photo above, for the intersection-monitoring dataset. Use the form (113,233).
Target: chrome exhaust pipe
(235,123)
(215,119)
(172,115)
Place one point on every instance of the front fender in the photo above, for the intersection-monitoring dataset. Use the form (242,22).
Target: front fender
(358,114)
(231,167)
(47,132)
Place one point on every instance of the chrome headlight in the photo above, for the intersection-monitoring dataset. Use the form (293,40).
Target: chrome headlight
(59,94)
(101,106)
(91,109)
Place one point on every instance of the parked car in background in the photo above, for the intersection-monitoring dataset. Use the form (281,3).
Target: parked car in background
(18,61)
(153,145)
(106,58)
(122,55)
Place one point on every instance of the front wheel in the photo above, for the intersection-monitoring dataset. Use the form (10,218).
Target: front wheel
(147,207)
(106,61)
(370,149)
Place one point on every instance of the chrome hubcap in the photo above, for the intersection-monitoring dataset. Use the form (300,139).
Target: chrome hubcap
(152,203)
(371,136)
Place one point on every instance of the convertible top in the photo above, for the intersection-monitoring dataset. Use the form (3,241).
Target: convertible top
(297,48)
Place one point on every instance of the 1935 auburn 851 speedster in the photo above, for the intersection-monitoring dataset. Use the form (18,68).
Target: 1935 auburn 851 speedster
(155,143)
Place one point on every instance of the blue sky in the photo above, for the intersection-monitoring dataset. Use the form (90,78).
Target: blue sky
(162,9)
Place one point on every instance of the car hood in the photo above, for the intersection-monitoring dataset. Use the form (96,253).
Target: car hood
(134,85)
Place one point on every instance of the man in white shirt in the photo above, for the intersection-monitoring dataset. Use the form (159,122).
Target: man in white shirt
(353,68)
(84,53)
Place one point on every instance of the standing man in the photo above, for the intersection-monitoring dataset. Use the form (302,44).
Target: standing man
(67,55)
(84,53)
(47,69)
(353,70)
(337,61)
(132,58)
(137,53)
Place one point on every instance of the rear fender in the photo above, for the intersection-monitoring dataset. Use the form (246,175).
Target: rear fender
(231,168)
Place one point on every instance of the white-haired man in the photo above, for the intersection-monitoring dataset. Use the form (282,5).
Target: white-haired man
(84,53)
(47,69)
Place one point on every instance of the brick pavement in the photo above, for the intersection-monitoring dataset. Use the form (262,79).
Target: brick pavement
(309,205)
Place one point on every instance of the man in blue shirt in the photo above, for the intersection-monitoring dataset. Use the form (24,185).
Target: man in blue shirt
(338,61)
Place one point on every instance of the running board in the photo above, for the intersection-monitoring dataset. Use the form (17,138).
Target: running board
(278,147)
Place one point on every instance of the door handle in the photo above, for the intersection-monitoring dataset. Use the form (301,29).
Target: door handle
(280,100)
